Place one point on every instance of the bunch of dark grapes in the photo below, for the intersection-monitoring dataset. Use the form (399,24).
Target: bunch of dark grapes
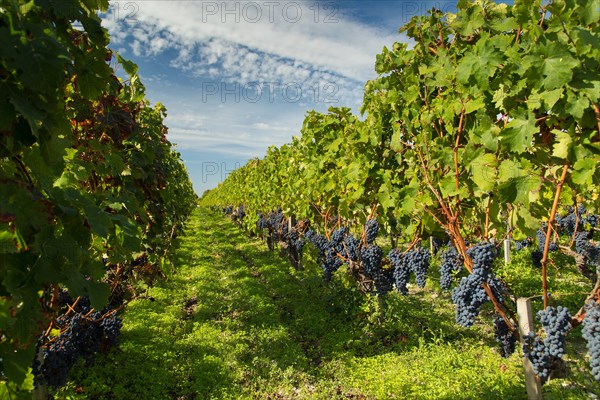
(497,286)
(275,218)
(337,238)
(521,244)
(278,225)
(452,262)
(84,332)
(482,255)
(556,323)
(401,272)
(568,223)
(351,246)
(584,247)
(469,295)
(504,336)
(572,222)
(299,245)
(371,230)
(537,352)
(417,260)
(591,219)
(83,305)
(370,258)
(591,333)
(384,280)
(262,223)
(331,263)
(239,214)
(317,240)
(296,241)
(575,221)
(58,357)
(111,325)
(544,354)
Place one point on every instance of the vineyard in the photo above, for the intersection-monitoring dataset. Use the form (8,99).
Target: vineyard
(484,135)
(92,193)
(237,321)
(451,229)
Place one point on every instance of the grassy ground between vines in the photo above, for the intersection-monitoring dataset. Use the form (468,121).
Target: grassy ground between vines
(237,322)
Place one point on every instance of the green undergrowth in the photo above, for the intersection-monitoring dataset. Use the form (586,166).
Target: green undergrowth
(237,322)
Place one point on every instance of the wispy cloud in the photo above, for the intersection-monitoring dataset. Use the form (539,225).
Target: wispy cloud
(231,132)
(238,76)
(241,41)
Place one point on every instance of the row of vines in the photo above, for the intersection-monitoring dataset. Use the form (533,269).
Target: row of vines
(485,127)
(92,193)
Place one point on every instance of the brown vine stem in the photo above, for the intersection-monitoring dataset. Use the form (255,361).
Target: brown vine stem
(23,168)
(549,231)
(54,299)
(460,128)
(170,239)
(47,333)
(414,242)
(576,226)
(70,307)
(434,216)
(543,12)
(431,187)
(326,222)
(487,218)
(373,213)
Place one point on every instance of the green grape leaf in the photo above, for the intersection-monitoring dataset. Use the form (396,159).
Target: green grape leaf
(98,220)
(483,171)
(558,70)
(130,67)
(562,144)
(518,134)
(583,171)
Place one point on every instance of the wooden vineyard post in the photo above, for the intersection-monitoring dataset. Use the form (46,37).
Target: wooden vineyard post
(532,382)
(507,243)
(506,251)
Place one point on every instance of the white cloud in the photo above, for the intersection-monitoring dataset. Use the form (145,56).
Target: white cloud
(230,131)
(209,34)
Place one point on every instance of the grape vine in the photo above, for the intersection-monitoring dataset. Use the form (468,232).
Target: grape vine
(93,193)
(485,129)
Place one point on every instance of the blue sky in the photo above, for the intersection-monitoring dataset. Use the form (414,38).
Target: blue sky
(239,76)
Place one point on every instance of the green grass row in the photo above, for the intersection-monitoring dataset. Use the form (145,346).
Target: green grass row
(237,322)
